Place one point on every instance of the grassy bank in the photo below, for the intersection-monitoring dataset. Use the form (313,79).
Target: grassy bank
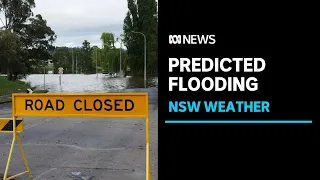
(9,87)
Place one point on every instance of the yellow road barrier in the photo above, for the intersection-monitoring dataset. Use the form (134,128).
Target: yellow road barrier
(15,126)
(6,125)
(111,105)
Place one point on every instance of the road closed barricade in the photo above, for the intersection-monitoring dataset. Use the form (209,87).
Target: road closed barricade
(6,125)
(108,105)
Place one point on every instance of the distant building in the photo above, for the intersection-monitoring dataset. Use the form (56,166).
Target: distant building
(50,62)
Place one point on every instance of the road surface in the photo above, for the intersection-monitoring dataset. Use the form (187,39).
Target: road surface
(103,148)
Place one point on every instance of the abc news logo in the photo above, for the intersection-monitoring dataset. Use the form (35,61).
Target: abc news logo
(192,39)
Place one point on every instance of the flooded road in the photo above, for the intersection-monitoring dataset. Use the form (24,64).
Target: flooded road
(102,148)
(87,83)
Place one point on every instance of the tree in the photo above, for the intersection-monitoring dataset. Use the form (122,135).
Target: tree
(147,12)
(11,56)
(133,46)
(141,17)
(33,34)
(16,13)
(62,57)
(114,57)
(86,58)
(124,60)
(38,38)
(109,54)
(108,40)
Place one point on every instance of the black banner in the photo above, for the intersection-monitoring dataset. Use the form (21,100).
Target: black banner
(249,122)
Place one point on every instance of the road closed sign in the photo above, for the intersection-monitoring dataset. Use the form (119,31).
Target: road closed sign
(122,105)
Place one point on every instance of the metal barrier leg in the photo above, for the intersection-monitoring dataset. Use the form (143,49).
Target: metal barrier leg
(148,170)
(148,163)
(150,174)
(24,157)
(9,158)
(16,137)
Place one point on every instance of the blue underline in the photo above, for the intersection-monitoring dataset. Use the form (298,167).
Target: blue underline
(238,121)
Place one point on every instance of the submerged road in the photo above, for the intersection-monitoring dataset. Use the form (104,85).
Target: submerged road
(103,148)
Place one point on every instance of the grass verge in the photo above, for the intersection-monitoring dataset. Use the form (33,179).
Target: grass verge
(9,87)
(40,91)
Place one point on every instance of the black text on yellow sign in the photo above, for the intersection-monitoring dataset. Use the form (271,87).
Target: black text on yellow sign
(6,125)
(101,105)
(81,105)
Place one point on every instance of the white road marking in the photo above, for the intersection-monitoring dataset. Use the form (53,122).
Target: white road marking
(71,146)
(26,127)
(34,125)
(46,172)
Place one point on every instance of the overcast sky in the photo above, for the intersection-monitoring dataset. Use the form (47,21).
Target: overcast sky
(77,20)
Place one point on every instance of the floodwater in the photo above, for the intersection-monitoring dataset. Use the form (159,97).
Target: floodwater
(87,83)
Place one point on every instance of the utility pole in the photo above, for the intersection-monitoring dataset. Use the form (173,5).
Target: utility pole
(72,62)
(120,56)
(44,78)
(76,63)
(97,61)
(145,61)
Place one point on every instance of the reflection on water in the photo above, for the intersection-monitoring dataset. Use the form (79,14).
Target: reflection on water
(87,83)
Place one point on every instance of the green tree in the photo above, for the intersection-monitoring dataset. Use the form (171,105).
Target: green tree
(97,56)
(124,60)
(109,54)
(62,57)
(106,56)
(114,59)
(11,56)
(34,36)
(103,60)
(86,58)
(16,13)
(38,38)
(108,40)
(144,20)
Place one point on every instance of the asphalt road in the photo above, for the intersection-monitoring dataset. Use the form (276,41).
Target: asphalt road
(103,148)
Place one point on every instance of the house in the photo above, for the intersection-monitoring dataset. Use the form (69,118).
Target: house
(50,62)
